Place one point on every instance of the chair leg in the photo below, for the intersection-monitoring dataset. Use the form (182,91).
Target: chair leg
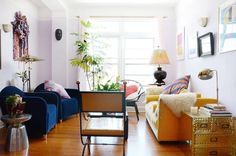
(89,141)
(136,110)
(84,149)
(45,136)
(124,146)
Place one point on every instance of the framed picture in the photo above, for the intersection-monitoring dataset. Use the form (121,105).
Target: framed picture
(227,26)
(192,44)
(206,44)
(180,45)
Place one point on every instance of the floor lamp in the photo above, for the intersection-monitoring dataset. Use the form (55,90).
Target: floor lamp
(207,74)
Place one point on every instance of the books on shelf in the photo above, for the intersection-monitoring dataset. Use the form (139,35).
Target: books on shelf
(212,112)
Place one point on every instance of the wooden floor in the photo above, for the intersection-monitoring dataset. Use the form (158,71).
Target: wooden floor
(64,140)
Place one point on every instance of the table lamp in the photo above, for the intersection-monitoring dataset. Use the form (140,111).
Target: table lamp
(159,57)
(207,74)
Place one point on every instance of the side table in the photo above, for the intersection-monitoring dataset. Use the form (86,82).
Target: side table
(17,138)
(207,135)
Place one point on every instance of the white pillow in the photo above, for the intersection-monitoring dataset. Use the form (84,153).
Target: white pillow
(52,86)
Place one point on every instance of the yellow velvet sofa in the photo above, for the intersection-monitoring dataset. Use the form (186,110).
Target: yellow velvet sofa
(166,126)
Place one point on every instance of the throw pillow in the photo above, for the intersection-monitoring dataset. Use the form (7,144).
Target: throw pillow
(52,86)
(129,89)
(154,90)
(177,86)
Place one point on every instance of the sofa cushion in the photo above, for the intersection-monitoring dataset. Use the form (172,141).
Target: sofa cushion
(51,116)
(52,86)
(177,86)
(152,111)
(69,107)
(154,90)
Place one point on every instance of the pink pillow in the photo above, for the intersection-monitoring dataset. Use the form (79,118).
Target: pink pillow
(52,86)
(129,89)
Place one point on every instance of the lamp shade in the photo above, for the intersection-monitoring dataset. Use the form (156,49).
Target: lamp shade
(159,56)
(205,74)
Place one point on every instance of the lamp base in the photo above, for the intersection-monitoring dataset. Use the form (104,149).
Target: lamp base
(159,75)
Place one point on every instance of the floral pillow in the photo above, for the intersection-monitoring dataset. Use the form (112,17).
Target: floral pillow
(52,86)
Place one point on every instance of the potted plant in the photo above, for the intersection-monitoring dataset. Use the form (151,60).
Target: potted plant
(90,63)
(14,105)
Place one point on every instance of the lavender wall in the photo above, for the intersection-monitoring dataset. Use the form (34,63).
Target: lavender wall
(45,46)
(188,14)
(10,67)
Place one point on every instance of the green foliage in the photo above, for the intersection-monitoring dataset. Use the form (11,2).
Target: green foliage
(108,86)
(11,100)
(90,63)
(83,59)
(22,75)
(15,105)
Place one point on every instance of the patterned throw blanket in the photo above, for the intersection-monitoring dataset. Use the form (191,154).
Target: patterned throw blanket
(179,102)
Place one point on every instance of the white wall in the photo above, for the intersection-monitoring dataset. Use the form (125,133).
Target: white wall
(188,14)
(7,11)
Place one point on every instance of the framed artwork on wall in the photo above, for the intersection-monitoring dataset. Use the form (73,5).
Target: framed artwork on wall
(227,26)
(206,44)
(192,44)
(180,39)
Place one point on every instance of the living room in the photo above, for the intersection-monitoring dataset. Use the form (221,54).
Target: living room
(174,18)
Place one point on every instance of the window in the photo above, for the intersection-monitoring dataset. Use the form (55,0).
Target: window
(128,47)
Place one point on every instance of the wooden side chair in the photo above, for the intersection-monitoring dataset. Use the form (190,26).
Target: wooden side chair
(105,117)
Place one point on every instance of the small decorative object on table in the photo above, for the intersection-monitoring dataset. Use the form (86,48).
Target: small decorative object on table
(17,138)
(15,106)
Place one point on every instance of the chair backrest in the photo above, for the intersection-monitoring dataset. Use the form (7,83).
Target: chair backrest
(40,87)
(11,90)
(139,91)
(111,101)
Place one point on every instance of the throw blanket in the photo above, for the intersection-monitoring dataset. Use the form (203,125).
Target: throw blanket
(179,102)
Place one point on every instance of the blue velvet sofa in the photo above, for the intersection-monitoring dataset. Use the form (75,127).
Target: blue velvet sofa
(42,106)
(67,107)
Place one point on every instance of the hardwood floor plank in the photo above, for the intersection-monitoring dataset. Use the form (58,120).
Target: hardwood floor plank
(64,140)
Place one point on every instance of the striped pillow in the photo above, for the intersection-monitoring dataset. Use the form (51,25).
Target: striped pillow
(177,86)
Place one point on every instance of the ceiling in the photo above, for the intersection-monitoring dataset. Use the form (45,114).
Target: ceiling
(75,3)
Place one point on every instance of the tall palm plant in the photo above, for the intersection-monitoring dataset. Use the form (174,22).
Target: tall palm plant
(90,63)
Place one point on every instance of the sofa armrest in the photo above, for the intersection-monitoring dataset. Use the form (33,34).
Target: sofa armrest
(72,92)
(37,107)
(202,101)
(49,97)
(150,98)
